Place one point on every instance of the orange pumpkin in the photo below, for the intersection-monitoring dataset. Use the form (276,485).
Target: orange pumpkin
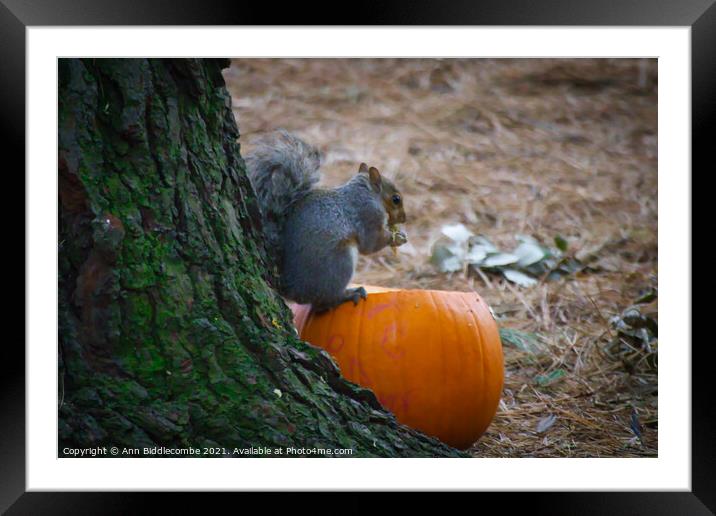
(433,358)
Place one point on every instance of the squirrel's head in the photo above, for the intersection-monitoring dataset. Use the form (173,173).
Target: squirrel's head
(389,194)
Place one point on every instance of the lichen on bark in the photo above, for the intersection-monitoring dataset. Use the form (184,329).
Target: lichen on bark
(169,331)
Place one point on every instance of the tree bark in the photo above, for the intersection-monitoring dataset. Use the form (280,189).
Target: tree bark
(169,332)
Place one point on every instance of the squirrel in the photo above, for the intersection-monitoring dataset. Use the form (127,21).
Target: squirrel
(314,234)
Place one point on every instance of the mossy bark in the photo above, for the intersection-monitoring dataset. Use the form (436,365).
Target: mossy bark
(169,332)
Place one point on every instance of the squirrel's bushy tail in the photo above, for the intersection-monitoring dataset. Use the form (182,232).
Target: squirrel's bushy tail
(282,169)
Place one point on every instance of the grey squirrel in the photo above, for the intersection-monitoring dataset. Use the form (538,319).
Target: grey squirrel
(314,235)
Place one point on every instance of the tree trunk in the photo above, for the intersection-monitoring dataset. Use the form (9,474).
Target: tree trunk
(169,332)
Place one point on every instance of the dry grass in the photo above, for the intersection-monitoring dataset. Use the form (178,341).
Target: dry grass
(508,146)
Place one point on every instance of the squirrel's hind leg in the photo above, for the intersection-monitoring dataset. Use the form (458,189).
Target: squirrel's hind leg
(350,294)
(355,294)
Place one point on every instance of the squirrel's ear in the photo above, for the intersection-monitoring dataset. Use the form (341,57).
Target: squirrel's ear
(375,180)
(363,169)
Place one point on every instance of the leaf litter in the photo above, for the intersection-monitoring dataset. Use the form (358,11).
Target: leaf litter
(458,249)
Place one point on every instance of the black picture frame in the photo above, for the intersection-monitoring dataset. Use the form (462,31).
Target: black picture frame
(17,15)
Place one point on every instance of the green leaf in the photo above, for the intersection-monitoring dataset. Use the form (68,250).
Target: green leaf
(647,297)
(561,243)
(522,340)
(548,379)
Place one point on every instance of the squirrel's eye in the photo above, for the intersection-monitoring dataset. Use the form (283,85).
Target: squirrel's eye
(396,199)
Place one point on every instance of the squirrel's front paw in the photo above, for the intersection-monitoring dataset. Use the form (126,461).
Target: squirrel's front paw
(398,238)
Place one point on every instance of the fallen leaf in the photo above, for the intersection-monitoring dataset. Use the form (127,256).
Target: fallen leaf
(529,253)
(545,423)
(520,278)
(525,341)
(499,260)
(457,232)
(561,243)
(548,379)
